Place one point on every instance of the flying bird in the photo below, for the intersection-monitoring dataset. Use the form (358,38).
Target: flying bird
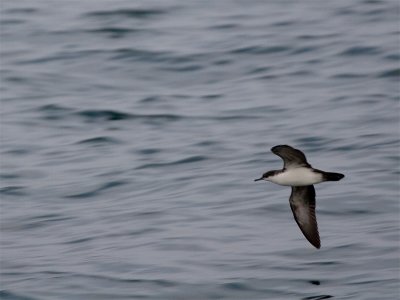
(301,176)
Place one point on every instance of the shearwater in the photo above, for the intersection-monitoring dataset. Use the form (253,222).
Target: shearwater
(301,176)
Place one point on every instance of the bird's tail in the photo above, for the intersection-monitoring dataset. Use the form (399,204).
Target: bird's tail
(330,176)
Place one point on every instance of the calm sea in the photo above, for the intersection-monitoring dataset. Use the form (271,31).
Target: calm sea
(132,131)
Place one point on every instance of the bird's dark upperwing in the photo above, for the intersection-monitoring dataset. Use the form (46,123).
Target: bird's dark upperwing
(302,203)
(291,157)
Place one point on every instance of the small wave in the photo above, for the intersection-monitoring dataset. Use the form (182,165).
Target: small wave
(318,297)
(150,282)
(187,160)
(53,108)
(191,159)
(54,112)
(112,115)
(148,151)
(314,142)
(323,263)
(13,191)
(80,240)
(239,286)
(113,32)
(4,294)
(259,70)
(207,143)
(224,26)
(395,57)
(348,212)
(317,36)
(16,79)
(140,54)
(390,73)
(5,22)
(99,140)
(43,220)
(189,68)
(211,96)
(61,56)
(373,2)
(177,62)
(221,62)
(36,222)
(378,11)
(349,76)
(137,13)
(9,176)
(359,50)
(252,111)
(260,50)
(235,117)
(98,190)
(301,50)
(144,231)
(27,10)
(151,99)
(19,151)
(283,23)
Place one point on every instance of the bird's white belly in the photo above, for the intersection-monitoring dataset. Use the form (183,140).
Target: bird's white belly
(297,177)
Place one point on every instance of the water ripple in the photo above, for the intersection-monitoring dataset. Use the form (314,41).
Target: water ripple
(8,295)
(112,115)
(13,191)
(191,159)
(390,73)
(137,13)
(99,140)
(359,51)
(260,50)
(98,190)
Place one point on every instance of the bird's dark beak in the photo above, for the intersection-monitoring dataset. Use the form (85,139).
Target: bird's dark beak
(258,179)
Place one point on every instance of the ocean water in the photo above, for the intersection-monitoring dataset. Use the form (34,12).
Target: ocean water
(132,131)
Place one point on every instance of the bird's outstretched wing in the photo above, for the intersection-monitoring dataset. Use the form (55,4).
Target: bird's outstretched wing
(292,158)
(302,203)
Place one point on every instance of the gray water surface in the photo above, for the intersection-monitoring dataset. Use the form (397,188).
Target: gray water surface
(132,131)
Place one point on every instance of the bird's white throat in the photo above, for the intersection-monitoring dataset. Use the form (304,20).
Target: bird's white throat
(296,177)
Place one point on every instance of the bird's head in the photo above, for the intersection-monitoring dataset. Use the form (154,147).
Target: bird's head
(266,176)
